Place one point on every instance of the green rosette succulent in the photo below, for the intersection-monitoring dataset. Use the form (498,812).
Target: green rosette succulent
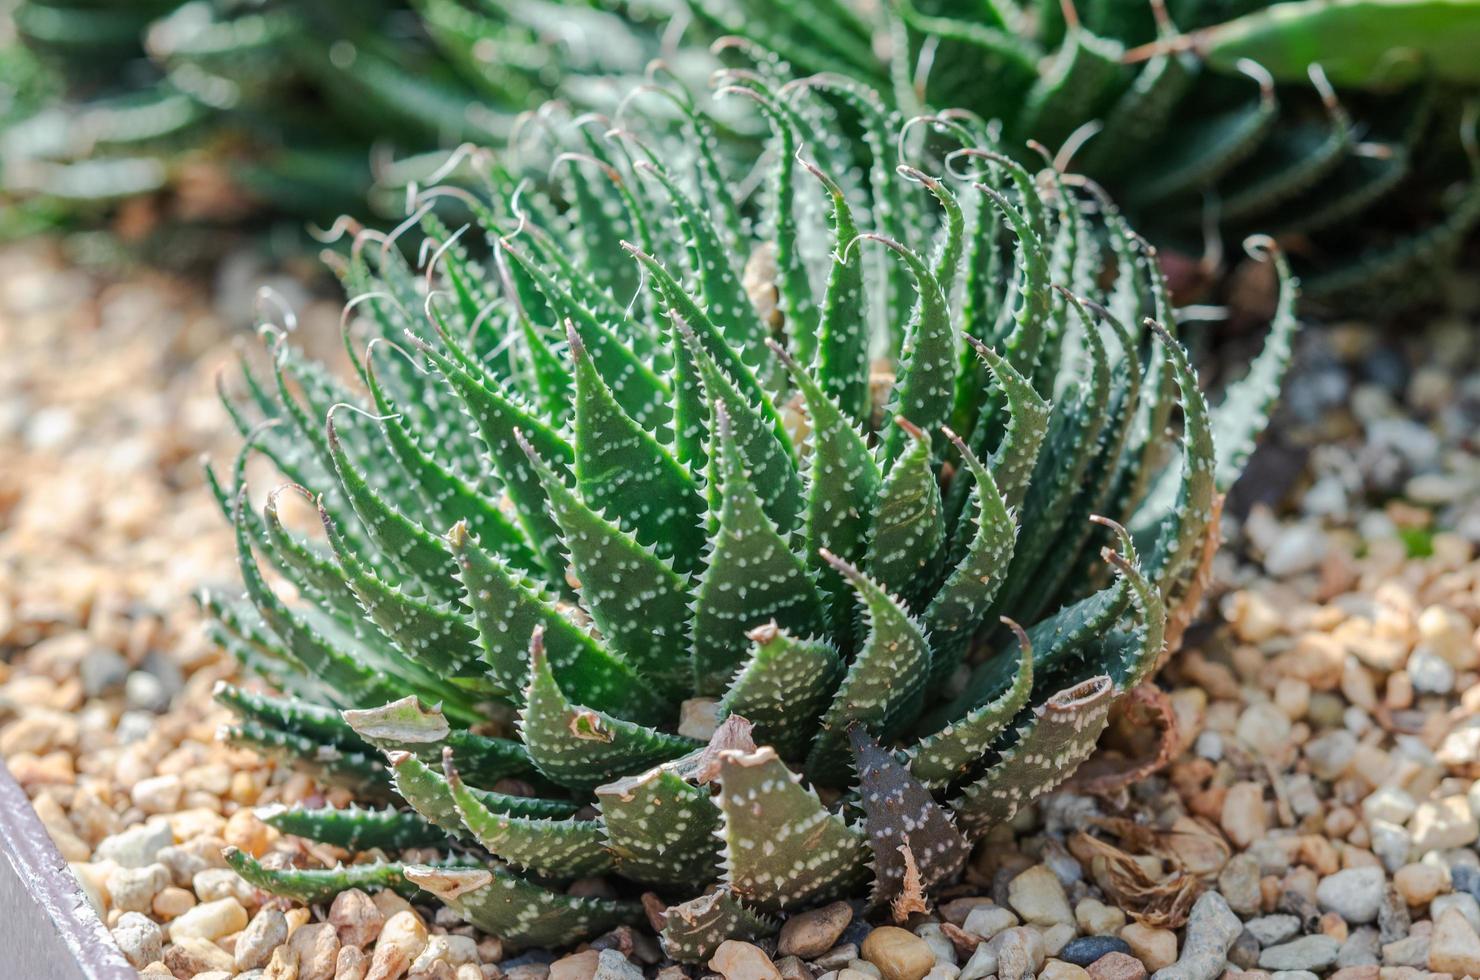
(750,541)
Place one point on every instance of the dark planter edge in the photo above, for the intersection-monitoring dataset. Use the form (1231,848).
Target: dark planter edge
(48,929)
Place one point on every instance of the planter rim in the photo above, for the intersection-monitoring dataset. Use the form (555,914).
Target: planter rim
(48,929)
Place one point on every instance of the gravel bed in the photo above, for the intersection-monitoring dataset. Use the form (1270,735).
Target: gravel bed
(1318,817)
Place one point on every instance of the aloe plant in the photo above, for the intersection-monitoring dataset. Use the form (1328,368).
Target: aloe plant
(1168,102)
(700,539)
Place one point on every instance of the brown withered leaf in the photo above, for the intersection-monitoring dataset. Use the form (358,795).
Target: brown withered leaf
(1139,741)
(911,897)
(1163,904)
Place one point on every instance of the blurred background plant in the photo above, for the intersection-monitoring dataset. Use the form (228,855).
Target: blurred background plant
(1330,125)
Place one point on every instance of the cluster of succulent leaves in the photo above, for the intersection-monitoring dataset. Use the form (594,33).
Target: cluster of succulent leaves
(1214,124)
(1199,115)
(685,540)
(286,97)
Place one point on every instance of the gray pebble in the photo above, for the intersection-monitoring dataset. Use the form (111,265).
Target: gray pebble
(1271,930)
(1355,894)
(1305,953)
(1360,949)
(1211,930)
(1086,949)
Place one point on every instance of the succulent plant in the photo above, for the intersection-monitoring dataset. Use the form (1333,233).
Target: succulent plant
(686,538)
(1194,113)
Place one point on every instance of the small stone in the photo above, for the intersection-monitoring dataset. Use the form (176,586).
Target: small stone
(1296,548)
(246,831)
(102,671)
(944,949)
(316,950)
(1039,898)
(1455,947)
(610,965)
(1244,818)
(158,794)
(1439,825)
(942,971)
(983,963)
(172,902)
(1086,949)
(1360,949)
(988,920)
(1244,953)
(1019,951)
(1410,951)
(193,955)
(135,847)
(353,964)
(1117,966)
(1388,803)
(864,968)
(1061,970)
(1095,918)
(810,934)
(1392,844)
(1429,672)
(898,953)
(211,884)
(791,968)
(139,938)
(1365,972)
(1330,754)
(1419,884)
(356,918)
(1271,930)
(1463,901)
(133,889)
(401,941)
(1157,948)
(211,920)
(1264,728)
(1291,975)
(1211,930)
(1354,894)
(1238,882)
(1055,938)
(1305,953)
(837,957)
(267,931)
(576,966)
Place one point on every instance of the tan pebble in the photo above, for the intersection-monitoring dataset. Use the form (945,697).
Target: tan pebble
(267,931)
(1038,897)
(211,921)
(1059,970)
(1443,824)
(201,821)
(814,932)
(297,917)
(1371,972)
(1419,884)
(193,954)
(1454,948)
(736,960)
(316,947)
(356,916)
(1244,817)
(1117,966)
(576,966)
(214,975)
(351,964)
(898,953)
(1335,926)
(467,971)
(245,788)
(157,969)
(490,949)
(402,939)
(245,831)
(1156,948)
(172,902)
(1292,696)
(157,794)
(390,903)
(1095,918)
